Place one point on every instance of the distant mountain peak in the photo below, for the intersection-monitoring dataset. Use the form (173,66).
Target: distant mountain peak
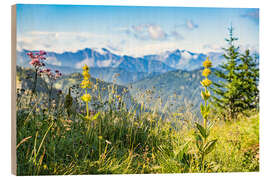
(105,50)
(103,57)
(177,51)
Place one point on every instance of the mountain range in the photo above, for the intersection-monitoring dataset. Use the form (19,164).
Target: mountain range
(174,91)
(171,91)
(104,64)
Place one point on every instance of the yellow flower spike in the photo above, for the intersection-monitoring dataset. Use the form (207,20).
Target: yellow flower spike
(207,63)
(86,74)
(86,97)
(87,77)
(85,67)
(86,83)
(205,95)
(206,72)
(202,94)
(206,82)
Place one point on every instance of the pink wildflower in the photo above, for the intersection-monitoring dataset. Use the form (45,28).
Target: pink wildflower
(42,53)
(35,62)
(29,54)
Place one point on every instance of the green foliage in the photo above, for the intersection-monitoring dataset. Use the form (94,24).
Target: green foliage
(237,91)
(249,77)
(118,136)
(68,102)
(120,141)
(171,91)
(202,132)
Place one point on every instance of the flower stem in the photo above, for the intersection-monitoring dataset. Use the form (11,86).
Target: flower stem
(87,108)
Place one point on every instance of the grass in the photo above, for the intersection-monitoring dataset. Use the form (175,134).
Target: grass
(118,141)
(238,145)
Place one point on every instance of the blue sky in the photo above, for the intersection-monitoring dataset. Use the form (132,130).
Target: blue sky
(133,31)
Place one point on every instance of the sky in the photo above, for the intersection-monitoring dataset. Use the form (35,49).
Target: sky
(133,30)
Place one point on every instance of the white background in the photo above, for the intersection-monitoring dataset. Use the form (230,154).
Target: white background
(5,87)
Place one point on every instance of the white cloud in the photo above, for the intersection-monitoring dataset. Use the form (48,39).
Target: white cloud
(87,61)
(151,32)
(138,49)
(53,61)
(211,48)
(252,48)
(147,32)
(191,25)
(60,41)
(72,41)
(218,48)
(156,32)
(118,43)
(176,35)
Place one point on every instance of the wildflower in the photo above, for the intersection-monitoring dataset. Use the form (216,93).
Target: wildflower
(86,97)
(35,62)
(100,137)
(85,67)
(203,131)
(86,83)
(207,63)
(86,75)
(205,95)
(206,82)
(29,54)
(42,53)
(206,72)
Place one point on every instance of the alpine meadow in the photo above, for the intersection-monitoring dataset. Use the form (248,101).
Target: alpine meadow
(136,90)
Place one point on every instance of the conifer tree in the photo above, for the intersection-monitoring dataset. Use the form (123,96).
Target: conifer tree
(237,91)
(227,99)
(249,76)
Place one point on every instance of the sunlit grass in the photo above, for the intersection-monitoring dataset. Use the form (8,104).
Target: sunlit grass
(122,142)
(109,136)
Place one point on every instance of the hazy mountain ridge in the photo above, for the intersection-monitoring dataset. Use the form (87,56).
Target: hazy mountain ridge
(175,89)
(164,62)
(25,76)
(104,64)
(171,91)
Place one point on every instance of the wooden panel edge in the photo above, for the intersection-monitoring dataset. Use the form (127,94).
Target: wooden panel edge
(13,90)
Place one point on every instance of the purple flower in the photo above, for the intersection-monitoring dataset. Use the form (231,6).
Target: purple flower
(29,54)
(42,53)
